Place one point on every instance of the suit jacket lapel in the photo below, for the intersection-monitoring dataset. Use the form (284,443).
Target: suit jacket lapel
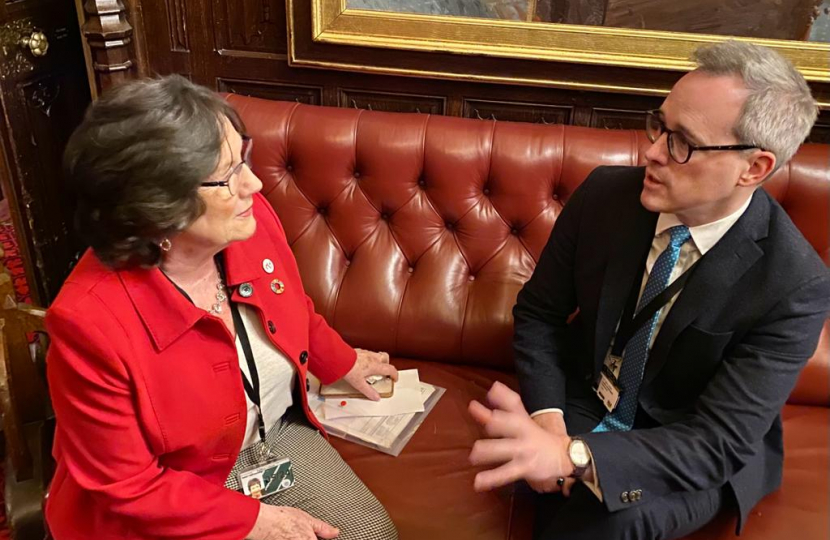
(716,272)
(630,245)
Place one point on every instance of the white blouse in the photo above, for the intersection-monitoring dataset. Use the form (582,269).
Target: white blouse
(276,376)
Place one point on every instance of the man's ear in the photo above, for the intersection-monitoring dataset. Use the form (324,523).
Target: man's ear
(761,165)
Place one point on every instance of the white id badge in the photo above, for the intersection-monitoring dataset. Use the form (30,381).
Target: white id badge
(608,391)
(266,479)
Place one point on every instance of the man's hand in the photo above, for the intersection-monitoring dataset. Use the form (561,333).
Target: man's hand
(369,363)
(553,423)
(522,448)
(286,523)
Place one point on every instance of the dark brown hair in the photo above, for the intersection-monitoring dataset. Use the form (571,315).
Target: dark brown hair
(136,162)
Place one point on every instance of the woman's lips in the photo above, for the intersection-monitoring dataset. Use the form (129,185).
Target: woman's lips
(247,212)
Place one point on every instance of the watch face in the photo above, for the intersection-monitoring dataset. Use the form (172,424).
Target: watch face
(579,454)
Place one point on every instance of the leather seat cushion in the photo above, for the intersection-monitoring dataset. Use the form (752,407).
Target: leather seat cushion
(799,508)
(428,488)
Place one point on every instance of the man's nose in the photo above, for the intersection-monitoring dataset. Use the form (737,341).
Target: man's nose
(659,150)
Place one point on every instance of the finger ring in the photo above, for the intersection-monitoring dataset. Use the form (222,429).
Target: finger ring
(560,482)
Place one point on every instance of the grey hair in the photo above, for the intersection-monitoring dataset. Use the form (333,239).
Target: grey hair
(779,111)
(136,162)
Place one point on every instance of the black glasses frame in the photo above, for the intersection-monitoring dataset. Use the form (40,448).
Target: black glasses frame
(692,148)
(247,146)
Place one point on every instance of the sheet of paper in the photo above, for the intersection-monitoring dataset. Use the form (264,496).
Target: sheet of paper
(406,399)
(380,430)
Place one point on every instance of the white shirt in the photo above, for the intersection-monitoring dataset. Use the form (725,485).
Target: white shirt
(276,376)
(704,238)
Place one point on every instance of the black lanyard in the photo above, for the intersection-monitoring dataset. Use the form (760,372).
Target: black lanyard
(630,323)
(252,386)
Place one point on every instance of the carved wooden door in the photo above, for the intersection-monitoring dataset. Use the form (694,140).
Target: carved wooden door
(44,91)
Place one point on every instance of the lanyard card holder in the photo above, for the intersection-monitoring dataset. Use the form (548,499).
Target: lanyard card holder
(267,478)
(607,387)
(271,474)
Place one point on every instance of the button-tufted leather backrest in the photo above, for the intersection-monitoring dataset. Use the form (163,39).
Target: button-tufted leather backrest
(414,233)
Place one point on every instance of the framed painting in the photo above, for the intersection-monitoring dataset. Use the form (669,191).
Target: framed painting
(600,39)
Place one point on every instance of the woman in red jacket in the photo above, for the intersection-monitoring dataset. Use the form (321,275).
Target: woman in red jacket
(182,340)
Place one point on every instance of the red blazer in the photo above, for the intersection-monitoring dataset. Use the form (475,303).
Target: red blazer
(148,393)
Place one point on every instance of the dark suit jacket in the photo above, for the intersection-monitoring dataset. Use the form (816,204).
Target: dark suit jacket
(721,367)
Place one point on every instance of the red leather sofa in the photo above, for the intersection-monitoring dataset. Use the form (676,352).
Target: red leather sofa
(414,234)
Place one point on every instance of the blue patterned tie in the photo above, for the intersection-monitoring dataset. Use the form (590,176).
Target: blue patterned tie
(636,350)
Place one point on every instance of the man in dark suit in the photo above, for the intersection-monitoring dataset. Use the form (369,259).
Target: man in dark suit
(698,303)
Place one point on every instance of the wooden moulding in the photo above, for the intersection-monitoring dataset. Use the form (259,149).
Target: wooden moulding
(112,54)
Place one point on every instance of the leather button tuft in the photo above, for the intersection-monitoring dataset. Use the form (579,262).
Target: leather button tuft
(322,210)
(555,197)
(471,278)
(384,216)
(289,167)
(304,357)
(449,225)
(514,231)
(272,327)
(357,174)
(422,182)
(411,269)
(487,191)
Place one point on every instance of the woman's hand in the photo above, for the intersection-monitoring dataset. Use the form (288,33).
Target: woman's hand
(369,363)
(286,523)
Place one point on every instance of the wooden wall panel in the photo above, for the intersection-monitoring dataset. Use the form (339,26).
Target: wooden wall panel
(616,118)
(42,99)
(391,102)
(177,26)
(537,113)
(310,95)
(249,26)
(167,35)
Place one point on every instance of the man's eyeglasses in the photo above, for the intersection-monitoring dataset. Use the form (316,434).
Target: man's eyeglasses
(231,178)
(680,149)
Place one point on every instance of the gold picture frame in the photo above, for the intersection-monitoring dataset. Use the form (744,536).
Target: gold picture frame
(333,24)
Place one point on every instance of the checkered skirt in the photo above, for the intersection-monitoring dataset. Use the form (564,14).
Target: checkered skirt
(324,485)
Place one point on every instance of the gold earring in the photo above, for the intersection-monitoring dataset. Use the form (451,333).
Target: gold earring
(165,244)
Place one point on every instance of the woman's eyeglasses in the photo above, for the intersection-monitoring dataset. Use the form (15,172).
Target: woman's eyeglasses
(231,178)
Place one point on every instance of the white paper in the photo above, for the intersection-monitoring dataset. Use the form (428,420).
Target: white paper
(407,398)
(379,430)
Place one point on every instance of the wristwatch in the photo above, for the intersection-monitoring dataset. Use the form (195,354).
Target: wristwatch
(580,457)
